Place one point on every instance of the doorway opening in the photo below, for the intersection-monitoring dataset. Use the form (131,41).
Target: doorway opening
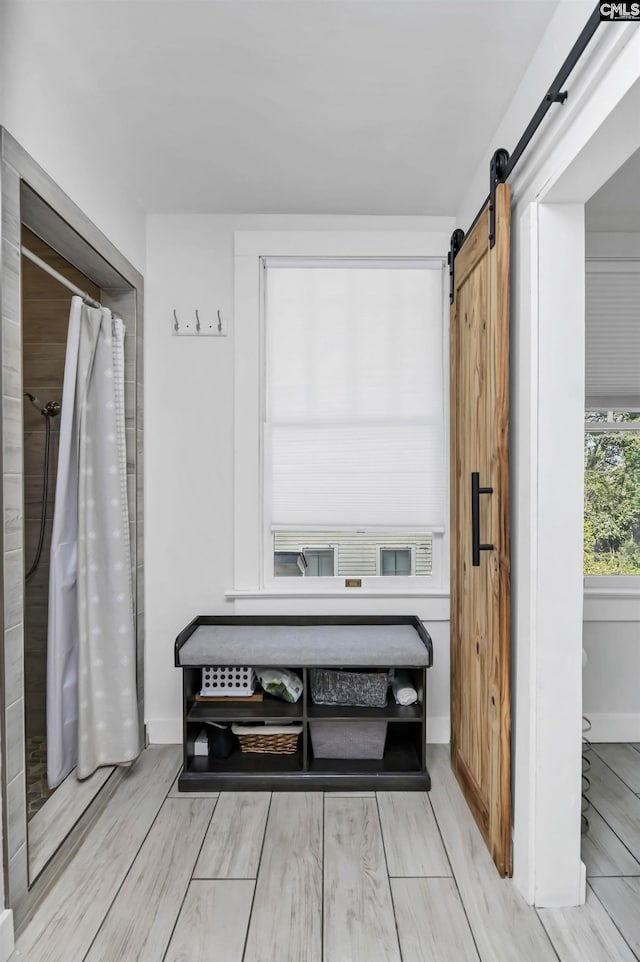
(40,825)
(611,630)
(549,392)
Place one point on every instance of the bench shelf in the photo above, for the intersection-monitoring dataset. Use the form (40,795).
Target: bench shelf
(301,643)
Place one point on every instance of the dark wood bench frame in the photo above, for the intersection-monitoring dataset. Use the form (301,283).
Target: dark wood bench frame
(403,766)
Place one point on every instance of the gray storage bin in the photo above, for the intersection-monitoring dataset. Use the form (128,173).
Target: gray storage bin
(348,739)
(359,688)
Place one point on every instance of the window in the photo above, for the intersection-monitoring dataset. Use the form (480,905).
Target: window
(612,493)
(288,564)
(612,428)
(310,562)
(353,434)
(395,562)
(319,562)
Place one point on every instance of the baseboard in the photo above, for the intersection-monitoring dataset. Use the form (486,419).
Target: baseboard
(164,731)
(613,728)
(438,730)
(7,943)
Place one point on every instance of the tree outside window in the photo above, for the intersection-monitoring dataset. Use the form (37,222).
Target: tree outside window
(612,493)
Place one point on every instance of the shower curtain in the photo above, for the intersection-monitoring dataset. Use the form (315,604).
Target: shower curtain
(92,712)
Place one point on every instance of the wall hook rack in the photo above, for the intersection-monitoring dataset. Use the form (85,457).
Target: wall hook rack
(200,326)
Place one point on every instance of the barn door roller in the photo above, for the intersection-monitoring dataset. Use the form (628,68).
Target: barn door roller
(498,170)
(457,240)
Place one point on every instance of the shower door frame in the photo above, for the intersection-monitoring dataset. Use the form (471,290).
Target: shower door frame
(62,225)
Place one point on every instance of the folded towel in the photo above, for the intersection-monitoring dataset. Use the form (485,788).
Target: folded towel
(238,729)
(403,689)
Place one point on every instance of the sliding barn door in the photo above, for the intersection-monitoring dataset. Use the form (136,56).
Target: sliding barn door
(480,602)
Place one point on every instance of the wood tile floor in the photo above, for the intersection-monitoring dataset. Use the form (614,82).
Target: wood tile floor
(333,877)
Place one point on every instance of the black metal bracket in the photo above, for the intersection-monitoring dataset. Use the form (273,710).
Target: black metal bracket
(497,175)
(556,97)
(457,240)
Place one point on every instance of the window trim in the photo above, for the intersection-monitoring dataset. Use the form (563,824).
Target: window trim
(251,537)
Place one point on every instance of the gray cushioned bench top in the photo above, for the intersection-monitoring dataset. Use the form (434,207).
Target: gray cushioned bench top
(305,645)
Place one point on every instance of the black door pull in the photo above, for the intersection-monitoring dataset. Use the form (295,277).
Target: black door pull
(476,491)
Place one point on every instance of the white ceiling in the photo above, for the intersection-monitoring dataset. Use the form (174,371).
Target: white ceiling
(291,106)
(616,206)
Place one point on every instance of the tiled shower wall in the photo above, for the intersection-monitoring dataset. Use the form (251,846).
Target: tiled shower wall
(45,319)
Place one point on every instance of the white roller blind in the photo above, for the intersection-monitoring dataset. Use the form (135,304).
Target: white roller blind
(612,308)
(354,395)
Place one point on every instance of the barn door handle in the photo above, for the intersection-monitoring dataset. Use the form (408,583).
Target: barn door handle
(476,491)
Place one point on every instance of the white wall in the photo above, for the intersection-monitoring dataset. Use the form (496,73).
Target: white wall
(189,449)
(68,146)
(611,697)
(579,147)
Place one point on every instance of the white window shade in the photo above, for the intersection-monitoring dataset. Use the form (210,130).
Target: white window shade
(354,396)
(612,308)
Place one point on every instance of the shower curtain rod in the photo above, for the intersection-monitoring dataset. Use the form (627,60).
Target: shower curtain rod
(58,277)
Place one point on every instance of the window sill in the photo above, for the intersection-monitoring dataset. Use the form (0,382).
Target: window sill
(609,593)
(429,607)
(609,587)
(611,602)
(238,593)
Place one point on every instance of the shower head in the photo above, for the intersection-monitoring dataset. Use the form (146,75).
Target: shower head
(36,402)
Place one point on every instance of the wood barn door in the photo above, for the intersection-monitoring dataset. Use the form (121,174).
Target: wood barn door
(480,594)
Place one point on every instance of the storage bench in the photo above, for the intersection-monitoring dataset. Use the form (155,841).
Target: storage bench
(301,644)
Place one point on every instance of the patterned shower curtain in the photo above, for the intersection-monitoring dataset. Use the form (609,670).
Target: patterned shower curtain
(91,645)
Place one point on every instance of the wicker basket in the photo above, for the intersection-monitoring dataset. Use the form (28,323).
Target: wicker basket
(266,740)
